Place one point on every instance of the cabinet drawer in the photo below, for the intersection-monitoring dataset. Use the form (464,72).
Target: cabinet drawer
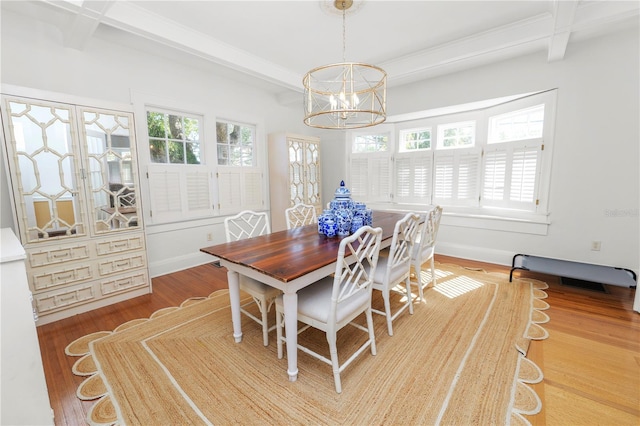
(124,283)
(60,277)
(121,264)
(63,298)
(57,255)
(119,245)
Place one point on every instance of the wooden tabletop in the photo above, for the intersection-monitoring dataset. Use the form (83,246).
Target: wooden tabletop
(289,254)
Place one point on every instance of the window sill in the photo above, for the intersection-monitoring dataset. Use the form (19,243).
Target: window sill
(494,220)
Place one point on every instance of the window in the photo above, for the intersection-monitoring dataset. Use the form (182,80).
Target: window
(492,160)
(512,158)
(240,182)
(371,143)
(415,140)
(173,138)
(370,174)
(414,166)
(517,125)
(235,144)
(456,135)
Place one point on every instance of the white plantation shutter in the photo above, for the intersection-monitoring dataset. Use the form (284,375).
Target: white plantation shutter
(413,178)
(198,196)
(253,193)
(444,169)
(524,174)
(468,177)
(358,178)
(495,170)
(511,172)
(370,177)
(179,192)
(456,177)
(239,188)
(379,179)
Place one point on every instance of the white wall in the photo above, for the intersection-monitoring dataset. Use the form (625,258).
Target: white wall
(595,181)
(33,56)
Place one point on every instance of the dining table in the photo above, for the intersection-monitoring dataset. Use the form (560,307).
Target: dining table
(288,260)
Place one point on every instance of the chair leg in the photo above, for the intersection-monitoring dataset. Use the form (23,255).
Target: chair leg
(433,271)
(407,284)
(333,350)
(279,324)
(387,311)
(265,321)
(420,291)
(372,335)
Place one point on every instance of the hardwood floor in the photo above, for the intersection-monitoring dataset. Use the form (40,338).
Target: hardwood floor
(591,360)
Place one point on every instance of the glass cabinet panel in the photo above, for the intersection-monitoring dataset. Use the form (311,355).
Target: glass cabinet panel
(41,141)
(113,198)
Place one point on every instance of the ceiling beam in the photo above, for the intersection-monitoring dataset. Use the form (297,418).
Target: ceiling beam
(564,12)
(87,19)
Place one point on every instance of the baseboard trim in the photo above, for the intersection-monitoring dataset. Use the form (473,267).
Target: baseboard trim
(167,266)
(479,254)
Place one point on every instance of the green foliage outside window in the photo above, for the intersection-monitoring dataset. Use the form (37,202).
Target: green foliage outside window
(173,139)
(235,144)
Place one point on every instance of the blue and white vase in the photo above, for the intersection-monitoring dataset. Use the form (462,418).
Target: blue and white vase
(330,227)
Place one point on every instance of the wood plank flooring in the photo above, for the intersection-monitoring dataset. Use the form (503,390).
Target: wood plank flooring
(591,360)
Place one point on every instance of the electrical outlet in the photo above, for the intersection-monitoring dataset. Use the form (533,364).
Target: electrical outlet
(209,236)
(595,245)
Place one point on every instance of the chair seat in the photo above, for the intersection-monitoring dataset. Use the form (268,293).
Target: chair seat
(426,253)
(395,276)
(314,301)
(256,287)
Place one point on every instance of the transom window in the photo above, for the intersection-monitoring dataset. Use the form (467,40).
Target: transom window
(457,135)
(174,139)
(517,125)
(415,139)
(235,144)
(371,143)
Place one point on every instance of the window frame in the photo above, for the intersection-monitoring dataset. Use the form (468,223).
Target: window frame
(507,212)
(183,219)
(167,140)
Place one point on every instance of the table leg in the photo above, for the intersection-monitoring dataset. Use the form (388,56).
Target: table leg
(233,279)
(290,302)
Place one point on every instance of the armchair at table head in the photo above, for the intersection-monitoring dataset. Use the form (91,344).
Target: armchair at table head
(249,224)
(300,215)
(335,301)
(424,247)
(396,268)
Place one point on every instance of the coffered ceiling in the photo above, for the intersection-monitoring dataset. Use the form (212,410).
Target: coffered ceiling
(279,41)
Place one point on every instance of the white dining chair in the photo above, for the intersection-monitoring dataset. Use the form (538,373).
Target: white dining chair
(424,248)
(248,224)
(334,302)
(396,268)
(300,215)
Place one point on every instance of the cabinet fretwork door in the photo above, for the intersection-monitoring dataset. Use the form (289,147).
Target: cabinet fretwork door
(42,145)
(111,170)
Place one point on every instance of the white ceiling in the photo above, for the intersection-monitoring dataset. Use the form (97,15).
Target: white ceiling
(279,41)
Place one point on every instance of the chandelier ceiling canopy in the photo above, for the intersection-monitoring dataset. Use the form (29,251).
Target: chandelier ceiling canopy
(346,95)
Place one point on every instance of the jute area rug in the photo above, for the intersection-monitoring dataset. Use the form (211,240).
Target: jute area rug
(459,359)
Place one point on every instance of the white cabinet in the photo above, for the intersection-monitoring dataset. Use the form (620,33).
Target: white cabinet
(74,181)
(294,174)
(24,399)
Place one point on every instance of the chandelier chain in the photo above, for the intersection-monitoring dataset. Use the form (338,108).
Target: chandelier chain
(344,32)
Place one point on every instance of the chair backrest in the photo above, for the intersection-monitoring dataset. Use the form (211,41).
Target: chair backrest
(355,275)
(300,215)
(430,228)
(246,224)
(401,249)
